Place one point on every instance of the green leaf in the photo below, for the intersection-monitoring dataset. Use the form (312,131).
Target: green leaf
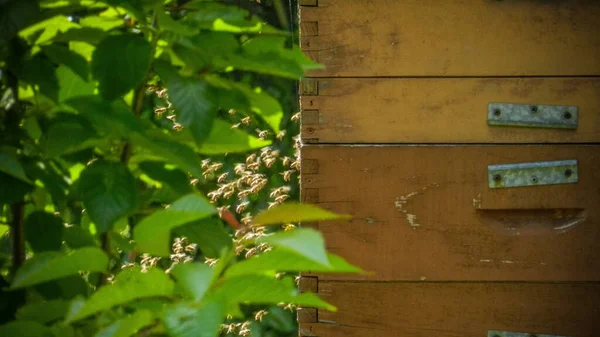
(43,312)
(294,212)
(84,49)
(77,237)
(24,329)
(265,106)
(13,189)
(68,135)
(16,15)
(209,234)
(166,22)
(281,260)
(219,17)
(194,278)
(64,288)
(104,23)
(152,234)
(108,191)
(184,320)
(193,100)
(261,289)
(61,55)
(71,85)
(304,241)
(205,49)
(129,285)
(84,34)
(120,63)
(43,231)
(172,177)
(48,266)
(4,229)
(46,30)
(223,139)
(10,165)
(40,72)
(127,326)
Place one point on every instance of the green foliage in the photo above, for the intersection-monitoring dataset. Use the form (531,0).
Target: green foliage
(137,138)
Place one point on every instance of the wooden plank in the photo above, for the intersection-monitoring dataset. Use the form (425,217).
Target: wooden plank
(307,315)
(442,110)
(454,37)
(457,309)
(427,213)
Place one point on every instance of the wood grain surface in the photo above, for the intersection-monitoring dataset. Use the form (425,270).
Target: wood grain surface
(441,110)
(427,213)
(454,37)
(456,309)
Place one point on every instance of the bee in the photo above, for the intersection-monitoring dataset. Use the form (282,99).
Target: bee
(171,118)
(280,135)
(280,199)
(272,204)
(287,175)
(216,166)
(247,219)
(286,161)
(250,159)
(245,120)
(227,194)
(288,227)
(262,134)
(160,110)
(254,166)
(242,207)
(222,177)
(194,181)
(232,112)
(239,169)
(256,188)
(244,193)
(296,117)
(235,126)
(269,162)
(278,191)
(259,315)
(162,93)
(214,195)
(296,165)
(205,164)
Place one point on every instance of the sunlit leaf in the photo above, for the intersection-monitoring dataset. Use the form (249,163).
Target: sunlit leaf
(120,63)
(194,278)
(185,320)
(101,22)
(209,234)
(294,212)
(48,266)
(223,139)
(261,289)
(40,72)
(304,241)
(167,23)
(152,234)
(43,312)
(129,284)
(46,30)
(62,55)
(281,260)
(10,165)
(127,326)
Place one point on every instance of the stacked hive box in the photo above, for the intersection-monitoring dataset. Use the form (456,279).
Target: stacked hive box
(400,131)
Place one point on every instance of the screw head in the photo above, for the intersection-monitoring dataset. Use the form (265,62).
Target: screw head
(497,178)
(497,112)
(568,173)
(534,179)
(533,109)
(567,115)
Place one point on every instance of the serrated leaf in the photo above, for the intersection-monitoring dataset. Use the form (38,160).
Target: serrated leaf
(108,191)
(184,320)
(48,266)
(62,55)
(69,134)
(193,100)
(46,30)
(194,278)
(223,139)
(209,234)
(172,177)
(281,260)
(129,285)
(24,329)
(43,312)
(77,237)
(152,234)
(43,231)
(261,289)
(71,84)
(304,241)
(166,22)
(120,63)
(127,326)
(294,212)
(10,165)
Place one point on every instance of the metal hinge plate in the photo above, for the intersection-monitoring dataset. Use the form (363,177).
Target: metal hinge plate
(533,174)
(534,116)
(517,334)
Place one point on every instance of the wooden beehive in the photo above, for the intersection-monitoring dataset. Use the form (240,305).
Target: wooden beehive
(419,100)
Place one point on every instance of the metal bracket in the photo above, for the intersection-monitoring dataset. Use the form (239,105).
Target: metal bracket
(533,174)
(517,334)
(534,116)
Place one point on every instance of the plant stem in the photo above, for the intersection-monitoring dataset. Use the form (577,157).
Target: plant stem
(17,234)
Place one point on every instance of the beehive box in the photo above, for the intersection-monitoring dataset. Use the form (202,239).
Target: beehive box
(463,136)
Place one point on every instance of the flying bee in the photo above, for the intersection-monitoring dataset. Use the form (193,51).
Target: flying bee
(235,126)
(296,117)
(222,177)
(244,193)
(280,199)
(262,134)
(239,169)
(288,227)
(245,120)
(242,207)
(160,110)
(250,159)
(287,175)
